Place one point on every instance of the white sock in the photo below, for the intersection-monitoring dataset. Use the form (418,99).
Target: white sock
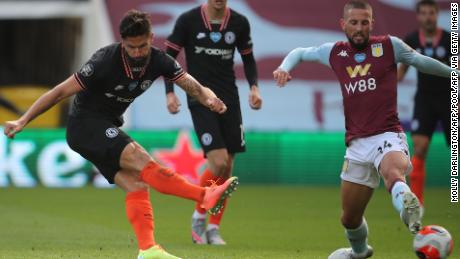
(358,238)
(212,226)
(198,215)
(397,192)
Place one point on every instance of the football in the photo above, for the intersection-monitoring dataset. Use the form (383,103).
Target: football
(433,242)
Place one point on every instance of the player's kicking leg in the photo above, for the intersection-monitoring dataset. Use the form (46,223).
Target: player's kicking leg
(393,168)
(138,173)
(354,201)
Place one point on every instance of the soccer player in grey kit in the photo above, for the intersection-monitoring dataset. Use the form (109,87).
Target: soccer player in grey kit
(366,67)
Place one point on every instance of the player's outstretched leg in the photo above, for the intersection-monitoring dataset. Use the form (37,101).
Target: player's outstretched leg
(408,206)
(166,181)
(214,198)
(155,252)
(358,241)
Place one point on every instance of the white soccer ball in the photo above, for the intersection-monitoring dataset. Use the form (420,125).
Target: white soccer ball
(433,242)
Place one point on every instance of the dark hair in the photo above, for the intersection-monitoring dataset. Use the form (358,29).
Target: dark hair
(431,3)
(356,4)
(135,23)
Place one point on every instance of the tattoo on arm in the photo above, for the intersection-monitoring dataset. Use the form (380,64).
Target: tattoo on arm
(190,85)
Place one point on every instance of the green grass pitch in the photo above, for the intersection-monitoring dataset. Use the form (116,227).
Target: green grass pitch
(261,222)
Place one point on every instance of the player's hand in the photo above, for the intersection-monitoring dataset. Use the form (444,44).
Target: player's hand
(255,101)
(13,127)
(173,103)
(281,77)
(216,105)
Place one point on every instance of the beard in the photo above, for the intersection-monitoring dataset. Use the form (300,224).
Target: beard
(430,27)
(137,62)
(359,46)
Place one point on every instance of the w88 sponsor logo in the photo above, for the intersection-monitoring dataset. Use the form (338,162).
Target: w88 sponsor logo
(362,86)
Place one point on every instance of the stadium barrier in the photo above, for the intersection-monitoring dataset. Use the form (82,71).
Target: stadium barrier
(41,157)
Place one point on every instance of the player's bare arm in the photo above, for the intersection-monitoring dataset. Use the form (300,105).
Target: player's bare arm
(65,89)
(203,94)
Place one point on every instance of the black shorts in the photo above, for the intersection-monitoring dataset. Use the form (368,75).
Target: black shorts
(216,131)
(428,111)
(99,141)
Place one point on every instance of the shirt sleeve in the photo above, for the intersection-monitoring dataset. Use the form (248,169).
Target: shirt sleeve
(244,41)
(250,68)
(406,55)
(172,70)
(178,37)
(169,86)
(89,75)
(319,54)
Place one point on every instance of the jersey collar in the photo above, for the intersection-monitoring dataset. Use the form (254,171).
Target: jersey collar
(436,39)
(207,22)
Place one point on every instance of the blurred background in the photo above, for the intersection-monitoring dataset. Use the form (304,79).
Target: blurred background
(296,138)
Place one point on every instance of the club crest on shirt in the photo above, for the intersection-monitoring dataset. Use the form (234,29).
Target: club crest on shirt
(146,84)
(377,50)
(229,37)
(87,70)
(215,36)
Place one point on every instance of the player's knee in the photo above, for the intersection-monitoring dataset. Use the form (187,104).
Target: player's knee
(140,186)
(420,152)
(351,221)
(220,166)
(135,156)
(129,182)
(421,146)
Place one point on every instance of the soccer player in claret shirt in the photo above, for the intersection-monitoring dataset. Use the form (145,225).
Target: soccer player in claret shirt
(366,67)
(209,34)
(432,99)
(104,87)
